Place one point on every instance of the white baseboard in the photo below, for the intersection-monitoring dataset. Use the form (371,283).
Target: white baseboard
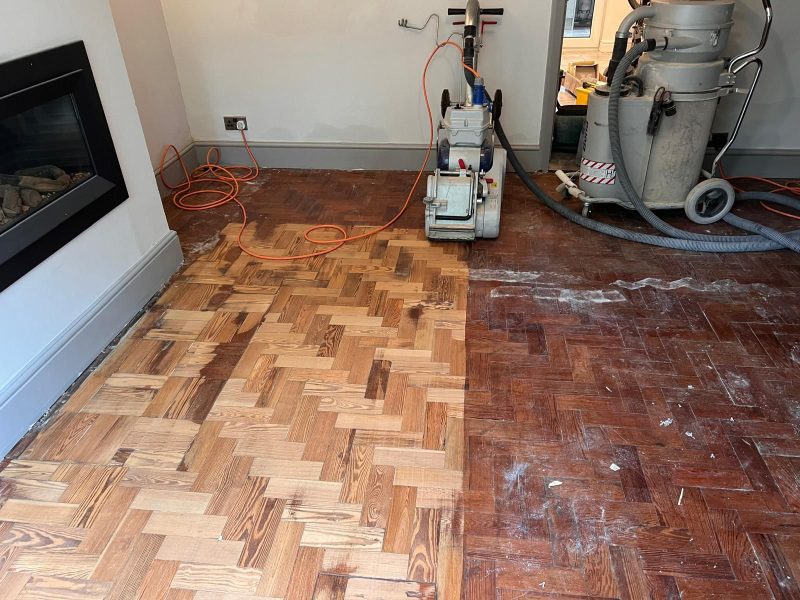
(25,398)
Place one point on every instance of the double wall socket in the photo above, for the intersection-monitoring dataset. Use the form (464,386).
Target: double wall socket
(230,123)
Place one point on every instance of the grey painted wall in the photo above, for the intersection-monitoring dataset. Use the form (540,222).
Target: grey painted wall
(773,120)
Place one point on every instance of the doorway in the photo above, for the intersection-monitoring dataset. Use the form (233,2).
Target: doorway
(587,43)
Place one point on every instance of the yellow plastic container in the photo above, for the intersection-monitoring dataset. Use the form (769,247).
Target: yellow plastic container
(582,96)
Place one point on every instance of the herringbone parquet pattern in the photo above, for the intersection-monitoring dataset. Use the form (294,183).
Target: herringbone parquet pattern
(270,430)
(629,437)
(630,421)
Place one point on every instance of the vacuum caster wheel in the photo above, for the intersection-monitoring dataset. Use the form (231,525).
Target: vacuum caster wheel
(710,201)
(587,209)
(445,101)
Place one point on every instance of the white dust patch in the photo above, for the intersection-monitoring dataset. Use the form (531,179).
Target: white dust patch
(794,411)
(666,422)
(737,381)
(569,296)
(506,276)
(203,247)
(736,386)
(513,475)
(723,286)
(794,354)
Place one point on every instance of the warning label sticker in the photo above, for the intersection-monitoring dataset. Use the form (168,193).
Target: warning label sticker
(600,173)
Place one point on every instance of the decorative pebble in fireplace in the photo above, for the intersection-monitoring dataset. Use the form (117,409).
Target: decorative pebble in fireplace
(59,171)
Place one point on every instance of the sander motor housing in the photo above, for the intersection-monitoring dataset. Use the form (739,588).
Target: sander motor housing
(465,193)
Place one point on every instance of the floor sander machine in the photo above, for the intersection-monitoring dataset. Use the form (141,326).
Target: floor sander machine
(465,193)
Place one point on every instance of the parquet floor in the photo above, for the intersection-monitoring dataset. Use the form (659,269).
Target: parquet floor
(632,418)
(268,430)
(629,428)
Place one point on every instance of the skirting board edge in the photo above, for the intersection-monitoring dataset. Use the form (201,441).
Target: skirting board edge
(26,397)
(781,164)
(773,164)
(341,156)
(172,169)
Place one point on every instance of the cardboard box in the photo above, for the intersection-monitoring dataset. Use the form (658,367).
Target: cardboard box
(584,70)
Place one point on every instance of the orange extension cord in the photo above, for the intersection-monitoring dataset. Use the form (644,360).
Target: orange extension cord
(197,184)
(792,187)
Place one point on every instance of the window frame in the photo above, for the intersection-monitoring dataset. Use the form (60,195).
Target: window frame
(598,22)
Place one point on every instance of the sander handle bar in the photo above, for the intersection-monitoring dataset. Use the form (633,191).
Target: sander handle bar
(497,12)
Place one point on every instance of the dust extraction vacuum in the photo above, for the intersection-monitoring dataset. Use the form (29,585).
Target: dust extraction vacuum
(646,134)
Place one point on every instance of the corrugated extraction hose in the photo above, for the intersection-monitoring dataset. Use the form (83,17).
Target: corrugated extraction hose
(625,234)
(767,239)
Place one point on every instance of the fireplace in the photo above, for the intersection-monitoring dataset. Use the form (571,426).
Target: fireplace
(59,172)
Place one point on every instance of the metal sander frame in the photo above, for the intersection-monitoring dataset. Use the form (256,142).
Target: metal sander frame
(464,195)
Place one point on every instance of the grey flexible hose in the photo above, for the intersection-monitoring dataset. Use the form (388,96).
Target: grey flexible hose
(763,231)
(616,151)
(617,232)
(781,238)
(749,243)
(771,197)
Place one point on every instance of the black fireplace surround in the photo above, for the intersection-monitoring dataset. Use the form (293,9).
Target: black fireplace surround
(59,171)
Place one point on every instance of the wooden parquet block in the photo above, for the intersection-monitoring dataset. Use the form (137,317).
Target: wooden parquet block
(579,353)
(631,418)
(267,430)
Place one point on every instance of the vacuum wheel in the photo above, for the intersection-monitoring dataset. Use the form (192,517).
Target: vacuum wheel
(445,101)
(497,105)
(710,201)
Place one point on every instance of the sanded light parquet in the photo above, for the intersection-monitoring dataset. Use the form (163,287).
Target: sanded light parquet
(267,430)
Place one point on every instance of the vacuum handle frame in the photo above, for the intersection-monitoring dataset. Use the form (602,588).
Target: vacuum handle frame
(734,66)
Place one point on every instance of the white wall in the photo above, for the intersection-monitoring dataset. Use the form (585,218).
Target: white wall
(616,10)
(38,308)
(312,71)
(148,57)
(773,119)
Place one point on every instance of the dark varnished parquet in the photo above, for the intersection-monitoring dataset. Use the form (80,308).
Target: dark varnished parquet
(623,439)
(630,441)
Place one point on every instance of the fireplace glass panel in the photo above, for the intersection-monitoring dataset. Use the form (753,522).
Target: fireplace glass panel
(43,155)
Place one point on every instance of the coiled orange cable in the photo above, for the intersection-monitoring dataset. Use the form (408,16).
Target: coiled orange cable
(197,183)
(792,187)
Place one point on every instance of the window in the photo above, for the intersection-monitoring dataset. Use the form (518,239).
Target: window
(580,14)
(584,22)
